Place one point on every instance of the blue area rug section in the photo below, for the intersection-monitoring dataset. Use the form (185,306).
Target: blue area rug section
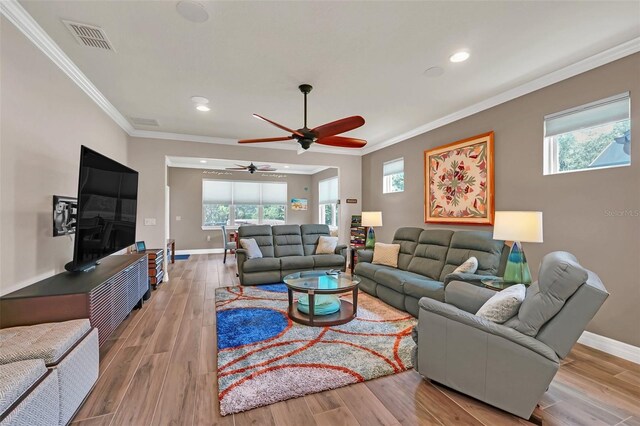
(241,326)
(182,256)
(276,288)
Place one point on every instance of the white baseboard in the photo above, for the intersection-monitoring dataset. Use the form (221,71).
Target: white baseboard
(201,251)
(610,346)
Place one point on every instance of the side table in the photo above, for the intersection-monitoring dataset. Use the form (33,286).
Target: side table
(496,283)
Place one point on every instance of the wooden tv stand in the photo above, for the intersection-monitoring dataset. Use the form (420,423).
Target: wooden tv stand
(105,295)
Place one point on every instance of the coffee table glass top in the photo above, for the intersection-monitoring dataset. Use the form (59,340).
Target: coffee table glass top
(322,281)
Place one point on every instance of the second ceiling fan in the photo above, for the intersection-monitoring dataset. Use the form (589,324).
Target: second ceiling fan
(324,135)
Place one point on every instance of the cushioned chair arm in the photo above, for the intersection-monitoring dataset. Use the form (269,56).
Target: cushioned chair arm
(341,249)
(474,279)
(365,256)
(452,313)
(466,296)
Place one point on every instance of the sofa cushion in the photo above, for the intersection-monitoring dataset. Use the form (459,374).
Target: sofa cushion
(251,246)
(431,252)
(49,341)
(310,235)
(396,278)
(386,254)
(407,237)
(328,261)
(423,287)
(16,378)
(263,236)
(559,277)
(296,262)
(479,244)
(369,269)
(326,245)
(287,240)
(261,265)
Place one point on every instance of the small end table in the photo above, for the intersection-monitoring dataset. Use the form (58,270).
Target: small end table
(496,283)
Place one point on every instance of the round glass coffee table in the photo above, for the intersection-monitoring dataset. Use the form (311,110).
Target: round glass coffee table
(318,305)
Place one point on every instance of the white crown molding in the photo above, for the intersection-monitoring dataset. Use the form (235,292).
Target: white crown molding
(610,346)
(15,13)
(617,52)
(19,17)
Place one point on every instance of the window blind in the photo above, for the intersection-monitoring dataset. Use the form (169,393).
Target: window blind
(393,167)
(216,192)
(328,191)
(274,193)
(615,108)
(246,193)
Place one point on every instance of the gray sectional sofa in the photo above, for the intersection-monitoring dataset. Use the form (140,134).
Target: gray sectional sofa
(426,263)
(285,249)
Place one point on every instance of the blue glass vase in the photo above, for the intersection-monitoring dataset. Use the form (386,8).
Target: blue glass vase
(370,242)
(517,270)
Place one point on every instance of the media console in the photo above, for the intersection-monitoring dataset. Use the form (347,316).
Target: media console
(105,295)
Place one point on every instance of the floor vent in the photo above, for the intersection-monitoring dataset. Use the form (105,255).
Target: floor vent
(137,121)
(88,35)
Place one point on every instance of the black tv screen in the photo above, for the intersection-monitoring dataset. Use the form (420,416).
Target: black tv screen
(107,204)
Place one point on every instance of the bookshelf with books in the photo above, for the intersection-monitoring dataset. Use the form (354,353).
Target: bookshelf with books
(357,239)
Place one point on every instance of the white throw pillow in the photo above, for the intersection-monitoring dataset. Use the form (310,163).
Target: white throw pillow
(326,245)
(470,266)
(386,254)
(504,304)
(252,248)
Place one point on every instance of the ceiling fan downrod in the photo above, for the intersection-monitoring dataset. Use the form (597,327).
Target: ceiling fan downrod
(305,89)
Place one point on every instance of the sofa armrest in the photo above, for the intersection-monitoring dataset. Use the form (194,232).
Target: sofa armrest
(365,256)
(462,317)
(341,249)
(474,279)
(466,296)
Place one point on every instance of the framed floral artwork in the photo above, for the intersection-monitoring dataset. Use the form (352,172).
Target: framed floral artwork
(459,182)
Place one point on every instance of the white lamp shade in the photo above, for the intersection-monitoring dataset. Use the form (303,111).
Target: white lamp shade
(518,226)
(371,218)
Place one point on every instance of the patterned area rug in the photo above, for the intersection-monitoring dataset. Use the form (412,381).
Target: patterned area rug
(264,357)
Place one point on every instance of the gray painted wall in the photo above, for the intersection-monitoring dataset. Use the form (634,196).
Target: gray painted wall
(186,201)
(576,206)
(45,119)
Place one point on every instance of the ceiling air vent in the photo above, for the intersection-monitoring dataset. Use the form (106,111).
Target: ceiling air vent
(137,121)
(88,35)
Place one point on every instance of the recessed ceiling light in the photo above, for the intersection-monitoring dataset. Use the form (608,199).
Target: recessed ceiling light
(192,11)
(459,56)
(286,167)
(199,100)
(203,108)
(203,161)
(434,71)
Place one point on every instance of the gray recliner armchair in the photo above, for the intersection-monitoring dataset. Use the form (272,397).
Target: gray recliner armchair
(509,365)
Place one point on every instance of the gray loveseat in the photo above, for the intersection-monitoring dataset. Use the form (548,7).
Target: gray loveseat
(426,263)
(285,249)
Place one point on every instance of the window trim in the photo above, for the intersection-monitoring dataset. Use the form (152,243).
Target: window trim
(550,146)
(386,179)
(232,205)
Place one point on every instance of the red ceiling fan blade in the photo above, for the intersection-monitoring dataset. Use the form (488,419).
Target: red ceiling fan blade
(342,142)
(236,168)
(268,169)
(279,126)
(338,126)
(284,138)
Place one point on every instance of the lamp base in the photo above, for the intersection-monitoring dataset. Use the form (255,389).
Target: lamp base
(517,270)
(370,242)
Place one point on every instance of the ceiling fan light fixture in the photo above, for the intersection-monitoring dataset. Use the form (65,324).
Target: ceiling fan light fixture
(203,108)
(460,56)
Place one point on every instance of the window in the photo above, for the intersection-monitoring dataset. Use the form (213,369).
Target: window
(592,136)
(393,176)
(243,203)
(328,201)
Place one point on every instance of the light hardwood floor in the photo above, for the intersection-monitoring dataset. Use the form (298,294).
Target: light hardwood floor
(159,368)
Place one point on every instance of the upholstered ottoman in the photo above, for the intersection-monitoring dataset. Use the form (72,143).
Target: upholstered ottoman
(70,348)
(29,394)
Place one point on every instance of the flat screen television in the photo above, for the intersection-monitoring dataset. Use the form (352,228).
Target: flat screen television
(106,213)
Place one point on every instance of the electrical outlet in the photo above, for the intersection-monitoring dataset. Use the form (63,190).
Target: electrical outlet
(149,221)
(178,218)
(208,237)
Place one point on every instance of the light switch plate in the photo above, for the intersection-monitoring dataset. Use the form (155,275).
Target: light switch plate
(178,218)
(149,221)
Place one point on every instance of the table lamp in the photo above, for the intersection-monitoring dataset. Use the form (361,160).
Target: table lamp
(518,227)
(371,219)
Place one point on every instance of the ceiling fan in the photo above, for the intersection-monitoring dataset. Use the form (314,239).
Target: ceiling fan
(324,135)
(252,168)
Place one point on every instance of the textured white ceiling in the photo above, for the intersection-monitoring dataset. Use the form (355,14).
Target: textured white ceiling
(364,58)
